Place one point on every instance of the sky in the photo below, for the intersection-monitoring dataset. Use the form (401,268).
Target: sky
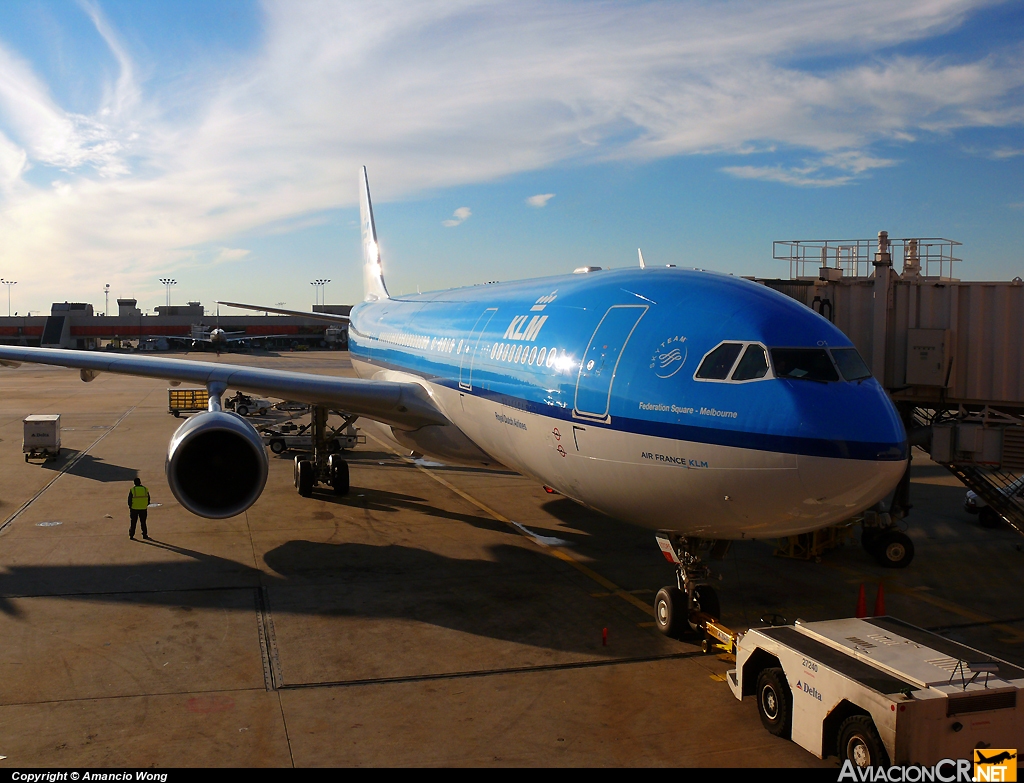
(219,143)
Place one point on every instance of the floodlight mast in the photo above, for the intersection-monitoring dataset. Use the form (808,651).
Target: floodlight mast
(8,283)
(318,290)
(168,282)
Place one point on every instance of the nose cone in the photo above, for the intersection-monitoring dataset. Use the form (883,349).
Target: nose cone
(864,456)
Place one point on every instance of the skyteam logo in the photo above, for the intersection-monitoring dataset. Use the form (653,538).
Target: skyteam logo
(669,357)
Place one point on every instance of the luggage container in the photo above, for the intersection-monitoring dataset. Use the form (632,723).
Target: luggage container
(181,401)
(42,436)
(879,691)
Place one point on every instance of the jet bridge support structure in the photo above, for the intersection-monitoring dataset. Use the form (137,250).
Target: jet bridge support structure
(949,352)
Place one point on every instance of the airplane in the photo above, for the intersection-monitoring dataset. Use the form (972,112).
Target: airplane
(697,404)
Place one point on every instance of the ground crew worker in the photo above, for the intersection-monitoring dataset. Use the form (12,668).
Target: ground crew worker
(138,503)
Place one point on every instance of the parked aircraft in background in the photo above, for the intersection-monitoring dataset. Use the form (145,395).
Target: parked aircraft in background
(699,404)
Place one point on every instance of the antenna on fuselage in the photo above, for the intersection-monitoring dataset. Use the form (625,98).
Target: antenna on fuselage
(642,264)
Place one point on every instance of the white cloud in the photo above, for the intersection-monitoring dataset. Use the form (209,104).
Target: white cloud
(434,94)
(1005,152)
(825,171)
(540,200)
(230,254)
(459,216)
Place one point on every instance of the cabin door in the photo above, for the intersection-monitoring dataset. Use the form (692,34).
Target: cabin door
(471,346)
(601,360)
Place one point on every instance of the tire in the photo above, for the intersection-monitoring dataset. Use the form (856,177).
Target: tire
(242,410)
(859,743)
(263,411)
(305,482)
(277,446)
(893,549)
(295,471)
(775,702)
(987,517)
(339,476)
(670,611)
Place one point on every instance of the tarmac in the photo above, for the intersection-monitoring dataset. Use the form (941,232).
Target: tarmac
(408,623)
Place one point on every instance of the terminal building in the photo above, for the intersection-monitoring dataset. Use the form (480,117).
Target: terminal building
(76,325)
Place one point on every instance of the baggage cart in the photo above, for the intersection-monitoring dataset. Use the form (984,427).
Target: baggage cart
(42,436)
(181,401)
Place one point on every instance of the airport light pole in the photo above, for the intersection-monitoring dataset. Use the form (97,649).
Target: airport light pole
(8,283)
(319,283)
(168,282)
(106,299)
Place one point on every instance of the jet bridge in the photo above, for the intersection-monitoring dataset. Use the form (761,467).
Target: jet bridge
(950,352)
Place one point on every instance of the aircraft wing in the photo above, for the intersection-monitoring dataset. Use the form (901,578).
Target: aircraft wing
(331,317)
(406,406)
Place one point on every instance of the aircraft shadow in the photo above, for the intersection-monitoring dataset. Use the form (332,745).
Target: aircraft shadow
(512,595)
(391,502)
(95,468)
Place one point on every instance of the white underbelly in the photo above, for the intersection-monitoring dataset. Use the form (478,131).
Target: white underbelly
(697,489)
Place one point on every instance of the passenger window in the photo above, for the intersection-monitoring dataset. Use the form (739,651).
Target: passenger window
(754,364)
(716,365)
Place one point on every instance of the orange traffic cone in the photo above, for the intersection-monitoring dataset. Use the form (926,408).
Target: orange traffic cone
(862,604)
(879,602)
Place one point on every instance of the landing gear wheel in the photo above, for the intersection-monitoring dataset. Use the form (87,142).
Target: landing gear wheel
(859,742)
(893,549)
(242,410)
(775,702)
(669,611)
(304,477)
(989,518)
(277,446)
(339,474)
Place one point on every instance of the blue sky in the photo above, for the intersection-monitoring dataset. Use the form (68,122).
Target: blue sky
(219,143)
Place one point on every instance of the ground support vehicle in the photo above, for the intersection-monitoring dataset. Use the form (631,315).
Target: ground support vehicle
(878,691)
(288,436)
(181,401)
(244,404)
(42,436)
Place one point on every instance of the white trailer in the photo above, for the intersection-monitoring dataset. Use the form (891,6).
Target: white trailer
(42,436)
(879,691)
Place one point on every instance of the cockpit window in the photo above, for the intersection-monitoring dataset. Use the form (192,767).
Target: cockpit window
(754,364)
(716,365)
(850,364)
(808,364)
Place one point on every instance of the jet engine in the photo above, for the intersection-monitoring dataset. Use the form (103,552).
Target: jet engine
(216,465)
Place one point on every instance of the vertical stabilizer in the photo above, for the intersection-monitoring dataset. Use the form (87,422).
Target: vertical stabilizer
(373,275)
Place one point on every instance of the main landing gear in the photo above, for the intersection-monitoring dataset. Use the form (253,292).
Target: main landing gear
(325,467)
(691,606)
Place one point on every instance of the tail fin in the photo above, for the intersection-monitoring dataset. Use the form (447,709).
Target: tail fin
(373,275)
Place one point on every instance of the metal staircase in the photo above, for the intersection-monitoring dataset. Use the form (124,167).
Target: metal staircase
(991,486)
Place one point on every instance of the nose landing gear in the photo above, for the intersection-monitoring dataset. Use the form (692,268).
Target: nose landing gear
(691,606)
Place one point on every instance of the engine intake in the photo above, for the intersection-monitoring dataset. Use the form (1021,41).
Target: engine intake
(216,465)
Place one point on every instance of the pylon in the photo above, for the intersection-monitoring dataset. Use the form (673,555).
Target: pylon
(862,604)
(879,602)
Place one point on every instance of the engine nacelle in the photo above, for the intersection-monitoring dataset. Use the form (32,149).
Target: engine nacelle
(216,465)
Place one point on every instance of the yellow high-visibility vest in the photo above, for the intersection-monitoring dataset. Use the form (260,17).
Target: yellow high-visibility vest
(140,497)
